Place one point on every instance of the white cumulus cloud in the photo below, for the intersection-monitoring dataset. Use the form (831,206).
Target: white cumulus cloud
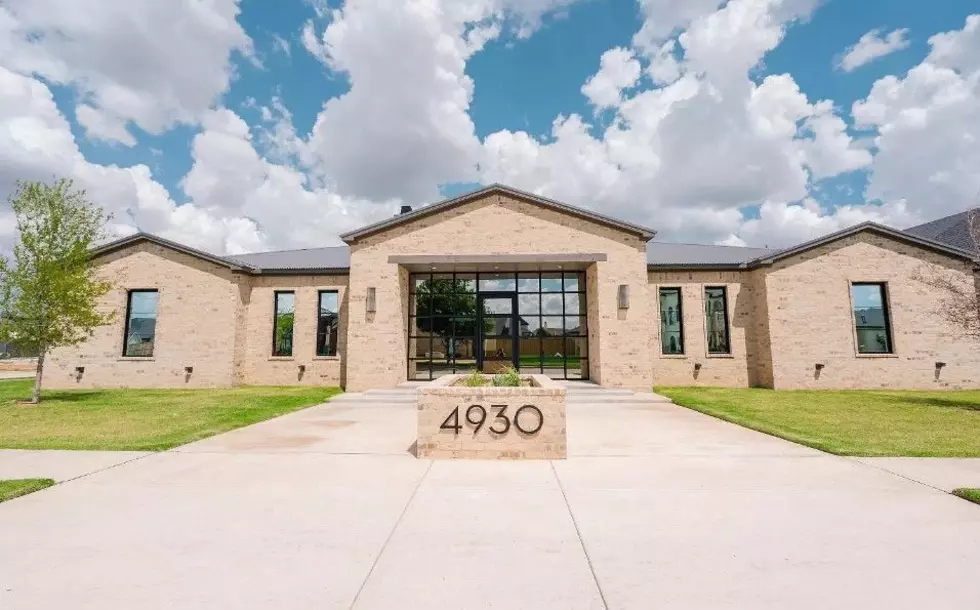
(872,46)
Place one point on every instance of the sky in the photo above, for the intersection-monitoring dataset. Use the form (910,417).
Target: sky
(249,125)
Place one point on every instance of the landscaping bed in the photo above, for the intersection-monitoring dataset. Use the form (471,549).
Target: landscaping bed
(862,423)
(139,420)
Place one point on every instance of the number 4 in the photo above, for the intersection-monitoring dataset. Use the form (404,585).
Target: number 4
(452,422)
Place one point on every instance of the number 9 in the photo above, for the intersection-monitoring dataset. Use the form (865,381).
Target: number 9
(478,423)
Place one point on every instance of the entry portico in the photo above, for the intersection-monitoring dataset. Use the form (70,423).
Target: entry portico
(510,246)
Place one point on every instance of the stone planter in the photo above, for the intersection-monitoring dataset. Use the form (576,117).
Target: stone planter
(461,422)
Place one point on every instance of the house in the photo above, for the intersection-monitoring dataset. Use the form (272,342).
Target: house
(500,277)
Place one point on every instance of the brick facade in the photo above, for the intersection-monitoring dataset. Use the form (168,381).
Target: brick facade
(784,318)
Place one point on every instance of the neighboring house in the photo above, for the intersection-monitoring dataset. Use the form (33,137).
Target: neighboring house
(502,277)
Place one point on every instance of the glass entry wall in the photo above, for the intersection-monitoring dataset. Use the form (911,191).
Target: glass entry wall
(462,322)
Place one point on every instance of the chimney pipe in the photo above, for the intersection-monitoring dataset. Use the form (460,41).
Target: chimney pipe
(405,209)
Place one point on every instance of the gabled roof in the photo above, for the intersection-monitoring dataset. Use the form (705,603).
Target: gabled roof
(499,189)
(136,238)
(321,260)
(950,230)
(895,234)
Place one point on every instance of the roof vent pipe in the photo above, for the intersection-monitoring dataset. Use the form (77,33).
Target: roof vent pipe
(405,209)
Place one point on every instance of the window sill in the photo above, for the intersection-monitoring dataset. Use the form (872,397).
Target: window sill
(675,356)
(135,359)
(876,356)
(328,358)
(281,358)
(721,356)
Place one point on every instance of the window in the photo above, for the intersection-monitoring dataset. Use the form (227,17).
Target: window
(326,326)
(871,321)
(141,323)
(282,329)
(671,322)
(716,318)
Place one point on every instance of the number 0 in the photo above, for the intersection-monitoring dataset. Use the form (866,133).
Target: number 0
(517,419)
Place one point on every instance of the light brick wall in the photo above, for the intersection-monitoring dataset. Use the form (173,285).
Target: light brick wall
(259,367)
(730,370)
(195,325)
(811,322)
(499,225)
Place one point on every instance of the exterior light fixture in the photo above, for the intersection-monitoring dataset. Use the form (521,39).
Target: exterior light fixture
(697,366)
(79,369)
(940,365)
(624,296)
(188,369)
(819,366)
(372,300)
(302,368)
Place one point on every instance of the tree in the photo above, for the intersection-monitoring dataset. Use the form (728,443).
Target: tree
(959,302)
(49,291)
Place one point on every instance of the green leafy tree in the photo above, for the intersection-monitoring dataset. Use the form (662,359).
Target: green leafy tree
(49,290)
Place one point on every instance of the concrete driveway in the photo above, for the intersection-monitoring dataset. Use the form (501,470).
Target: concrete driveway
(657,507)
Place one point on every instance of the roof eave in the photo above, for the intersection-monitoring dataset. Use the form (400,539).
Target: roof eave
(352,236)
(135,238)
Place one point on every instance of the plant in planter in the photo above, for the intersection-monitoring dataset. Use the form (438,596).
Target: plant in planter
(510,378)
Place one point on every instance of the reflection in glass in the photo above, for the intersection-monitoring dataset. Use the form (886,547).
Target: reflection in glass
(529,304)
(141,324)
(671,324)
(871,322)
(551,282)
(573,282)
(497,349)
(716,317)
(551,304)
(575,325)
(490,282)
(498,326)
(282,333)
(551,325)
(327,324)
(498,306)
(528,282)
(574,304)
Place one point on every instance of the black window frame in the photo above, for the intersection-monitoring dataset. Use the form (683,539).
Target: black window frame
(680,319)
(728,327)
(570,282)
(126,324)
(886,315)
(275,320)
(320,330)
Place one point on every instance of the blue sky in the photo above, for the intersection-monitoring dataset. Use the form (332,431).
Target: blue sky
(719,165)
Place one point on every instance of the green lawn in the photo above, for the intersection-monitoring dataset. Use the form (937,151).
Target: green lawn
(13,488)
(139,420)
(973,495)
(867,423)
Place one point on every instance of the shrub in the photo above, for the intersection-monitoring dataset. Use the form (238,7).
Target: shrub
(475,380)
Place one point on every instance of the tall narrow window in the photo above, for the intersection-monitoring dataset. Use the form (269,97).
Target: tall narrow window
(871,319)
(327,321)
(716,317)
(141,323)
(282,329)
(671,322)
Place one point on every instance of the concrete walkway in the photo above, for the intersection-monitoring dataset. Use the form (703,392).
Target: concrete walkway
(59,465)
(946,474)
(657,507)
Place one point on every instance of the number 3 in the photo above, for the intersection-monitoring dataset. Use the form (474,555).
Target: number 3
(501,415)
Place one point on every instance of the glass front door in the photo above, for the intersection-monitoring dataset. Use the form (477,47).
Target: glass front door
(498,337)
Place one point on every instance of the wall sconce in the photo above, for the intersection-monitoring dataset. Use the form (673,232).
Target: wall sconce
(80,370)
(819,366)
(302,369)
(624,296)
(940,365)
(697,366)
(188,369)
(372,300)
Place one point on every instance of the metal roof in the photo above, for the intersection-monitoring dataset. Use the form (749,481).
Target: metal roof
(668,256)
(334,258)
(643,232)
(950,230)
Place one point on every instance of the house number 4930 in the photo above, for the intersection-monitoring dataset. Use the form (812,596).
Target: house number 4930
(527,419)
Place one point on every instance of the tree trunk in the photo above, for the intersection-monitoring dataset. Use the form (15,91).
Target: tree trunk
(36,395)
